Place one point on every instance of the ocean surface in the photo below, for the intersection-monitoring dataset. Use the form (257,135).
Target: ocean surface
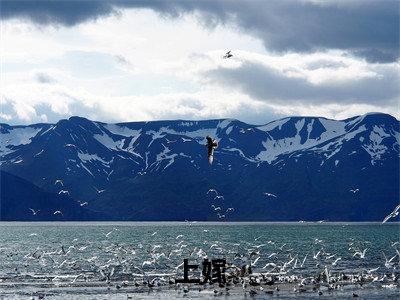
(141,260)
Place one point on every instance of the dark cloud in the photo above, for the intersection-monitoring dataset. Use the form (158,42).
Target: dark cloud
(269,85)
(45,12)
(44,78)
(369,29)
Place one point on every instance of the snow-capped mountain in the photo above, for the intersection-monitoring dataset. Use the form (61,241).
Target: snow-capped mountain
(297,168)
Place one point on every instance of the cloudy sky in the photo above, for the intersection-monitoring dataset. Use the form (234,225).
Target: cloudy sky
(118,61)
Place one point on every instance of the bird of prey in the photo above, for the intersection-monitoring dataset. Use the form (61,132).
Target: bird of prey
(228,54)
(393,214)
(211,145)
(34,212)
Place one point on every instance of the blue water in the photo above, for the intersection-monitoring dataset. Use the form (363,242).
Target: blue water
(46,258)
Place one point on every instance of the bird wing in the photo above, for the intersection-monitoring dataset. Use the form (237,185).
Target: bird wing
(386,218)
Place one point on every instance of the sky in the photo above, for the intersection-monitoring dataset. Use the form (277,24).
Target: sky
(120,61)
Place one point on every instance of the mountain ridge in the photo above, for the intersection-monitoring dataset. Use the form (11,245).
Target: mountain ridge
(146,167)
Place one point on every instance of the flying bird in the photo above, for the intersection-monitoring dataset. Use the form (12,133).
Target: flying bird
(83,203)
(354,191)
(393,214)
(228,54)
(211,145)
(270,195)
(34,212)
(57,212)
(59,181)
(212,191)
(98,191)
(64,192)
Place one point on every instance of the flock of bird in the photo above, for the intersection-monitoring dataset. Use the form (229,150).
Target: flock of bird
(218,208)
(256,265)
(60,182)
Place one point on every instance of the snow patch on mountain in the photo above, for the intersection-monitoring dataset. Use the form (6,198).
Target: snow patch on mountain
(16,137)
(86,157)
(164,156)
(123,130)
(272,125)
(375,148)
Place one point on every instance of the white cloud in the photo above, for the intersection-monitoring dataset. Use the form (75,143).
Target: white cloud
(139,66)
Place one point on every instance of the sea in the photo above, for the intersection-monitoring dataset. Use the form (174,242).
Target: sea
(142,260)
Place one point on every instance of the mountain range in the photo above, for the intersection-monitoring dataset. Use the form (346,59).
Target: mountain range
(292,169)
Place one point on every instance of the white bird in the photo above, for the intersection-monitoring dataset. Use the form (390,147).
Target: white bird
(219,197)
(255,261)
(98,191)
(179,236)
(315,256)
(270,195)
(168,141)
(372,270)
(216,208)
(154,233)
(393,214)
(269,265)
(212,191)
(108,234)
(360,254)
(336,261)
(354,191)
(57,212)
(82,203)
(148,262)
(220,216)
(34,212)
(64,192)
(230,209)
(59,181)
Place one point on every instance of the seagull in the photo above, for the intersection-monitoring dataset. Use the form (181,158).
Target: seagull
(354,191)
(372,270)
(216,208)
(212,191)
(57,212)
(228,54)
(98,191)
(211,145)
(34,212)
(168,141)
(108,234)
(230,209)
(361,254)
(59,181)
(219,197)
(270,195)
(64,192)
(83,203)
(393,214)
(336,261)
